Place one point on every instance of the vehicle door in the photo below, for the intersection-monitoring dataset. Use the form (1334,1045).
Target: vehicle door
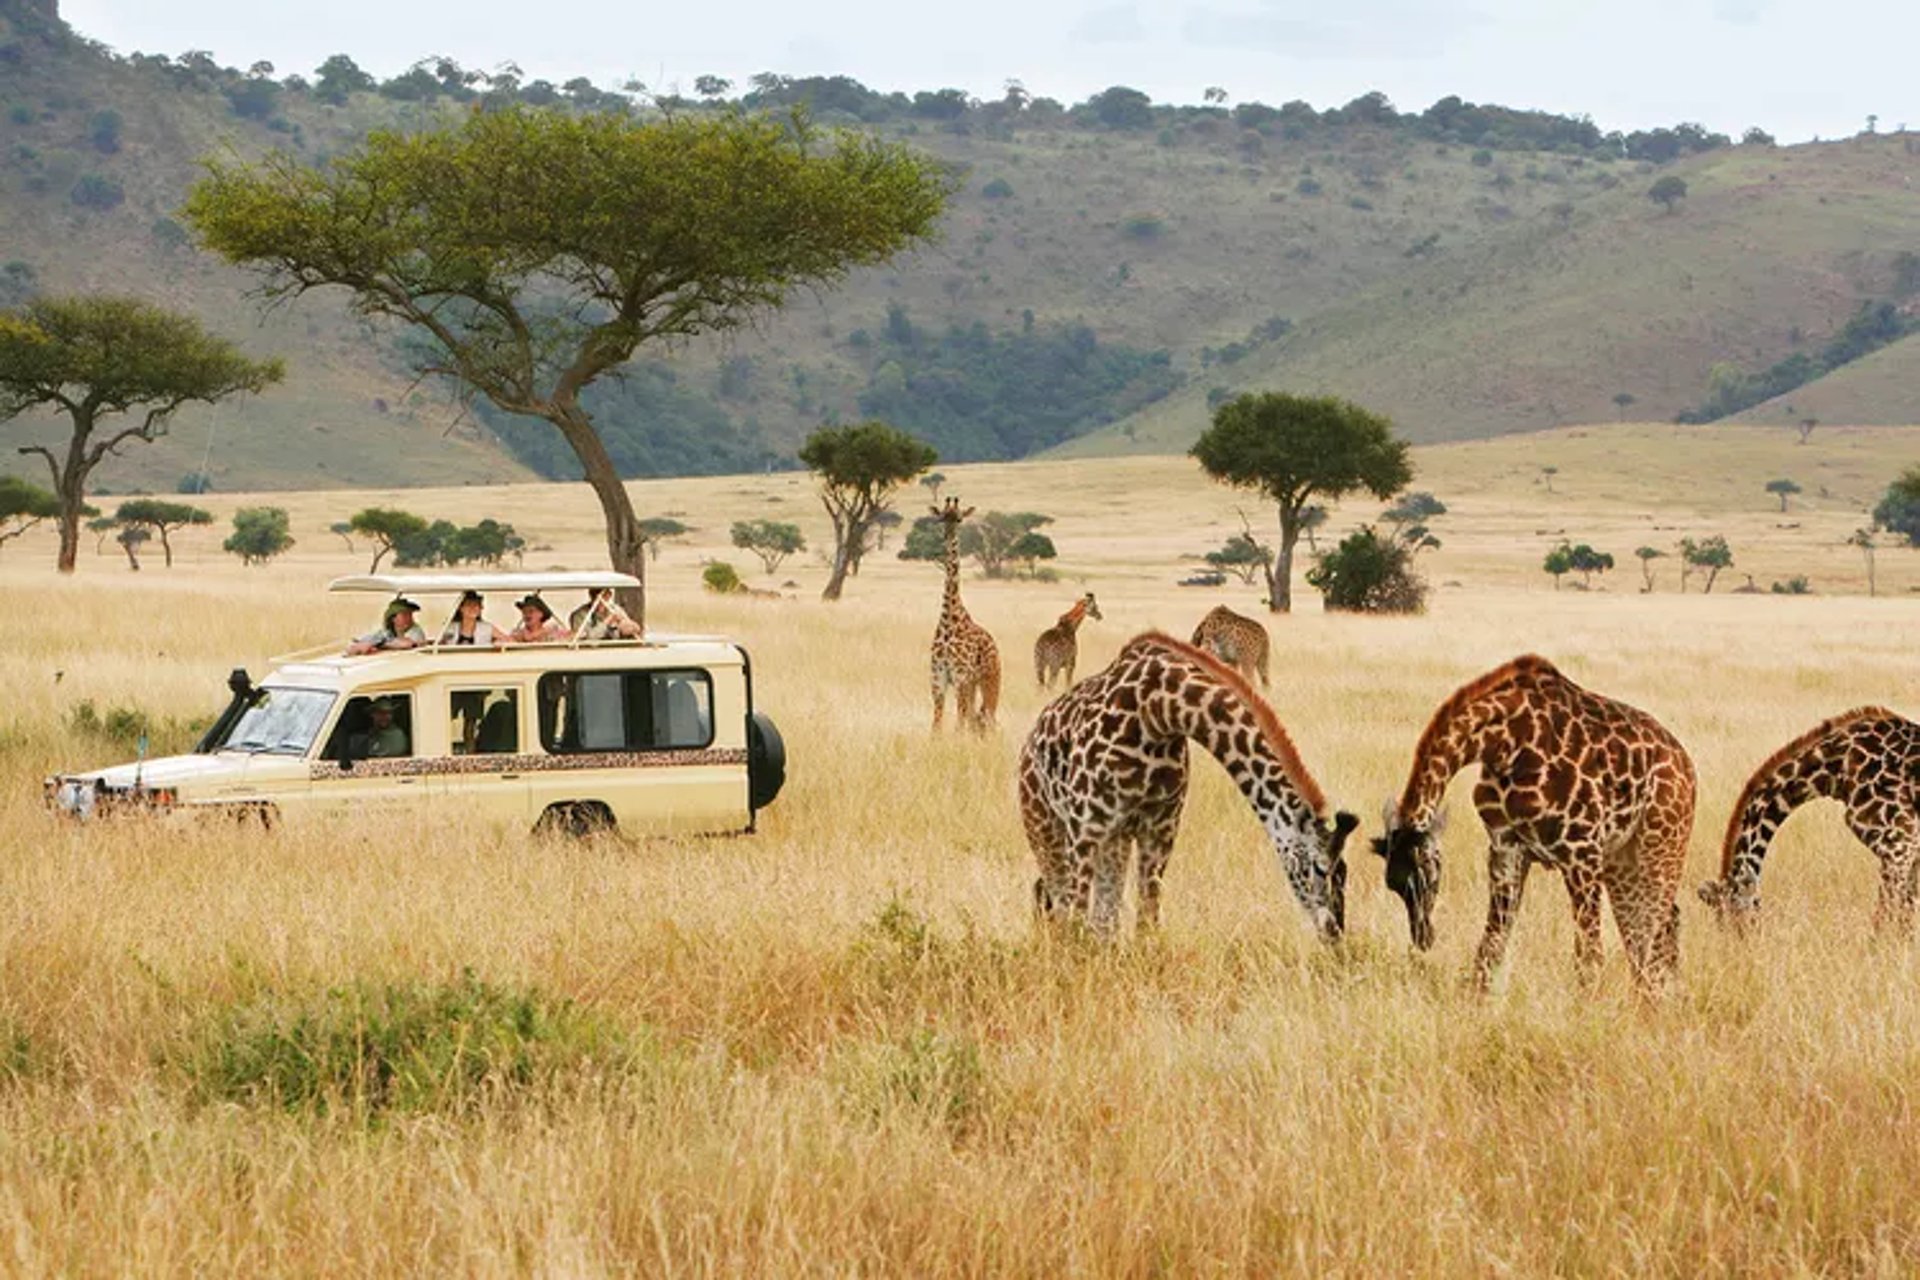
(641,742)
(485,772)
(369,764)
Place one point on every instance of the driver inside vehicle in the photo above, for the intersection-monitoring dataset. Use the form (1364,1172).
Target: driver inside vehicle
(382,739)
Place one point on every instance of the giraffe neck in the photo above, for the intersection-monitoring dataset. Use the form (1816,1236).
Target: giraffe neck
(952,611)
(1817,770)
(1222,723)
(1459,736)
(1070,620)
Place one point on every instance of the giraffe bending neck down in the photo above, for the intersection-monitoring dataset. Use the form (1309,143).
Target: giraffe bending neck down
(964,658)
(1058,649)
(1569,780)
(1869,760)
(1104,775)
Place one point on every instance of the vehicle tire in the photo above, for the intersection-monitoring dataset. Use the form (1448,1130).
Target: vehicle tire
(766,760)
(575,819)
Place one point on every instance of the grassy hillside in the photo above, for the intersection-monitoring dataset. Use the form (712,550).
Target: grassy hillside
(1881,388)
(1466,290)
(1552,319)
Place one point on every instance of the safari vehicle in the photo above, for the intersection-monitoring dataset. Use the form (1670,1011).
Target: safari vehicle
(657,735)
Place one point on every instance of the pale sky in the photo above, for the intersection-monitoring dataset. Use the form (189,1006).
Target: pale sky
(1797,68)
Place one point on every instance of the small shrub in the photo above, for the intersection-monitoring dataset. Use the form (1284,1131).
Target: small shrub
(998,189)
(930,1072)
(721,578)
(398,1047)
(95,191)
(1308,186)
(1797,585)
(1143,226)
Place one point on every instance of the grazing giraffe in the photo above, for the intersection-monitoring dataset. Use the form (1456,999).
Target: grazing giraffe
(1581,784)
(1868,760)
(964,657)
(1104,772)
(1057,650)
(1239,641)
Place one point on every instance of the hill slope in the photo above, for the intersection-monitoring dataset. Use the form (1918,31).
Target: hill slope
(1549,321)
(1467,291)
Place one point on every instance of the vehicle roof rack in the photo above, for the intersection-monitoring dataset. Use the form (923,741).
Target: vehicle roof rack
(448,583)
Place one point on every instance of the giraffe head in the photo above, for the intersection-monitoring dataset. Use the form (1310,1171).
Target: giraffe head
(1313,858)
(1412,853)
(951,513)
(1092,609)
(1731,907)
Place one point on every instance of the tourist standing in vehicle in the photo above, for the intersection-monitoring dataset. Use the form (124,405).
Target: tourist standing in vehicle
(536,623)
(467,626)
(602,619)
(398,630)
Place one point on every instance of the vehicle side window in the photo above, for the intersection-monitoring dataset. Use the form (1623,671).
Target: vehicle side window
(626,711)
(484,722)
(375,727)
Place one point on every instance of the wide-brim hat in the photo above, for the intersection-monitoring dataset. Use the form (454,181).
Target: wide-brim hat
(534,602)
(474,596)
(400,604)
(387,705)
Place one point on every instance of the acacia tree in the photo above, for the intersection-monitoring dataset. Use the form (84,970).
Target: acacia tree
(387,528)
(535,250)
(22,506)
(1712,554)
(160,517)
(860,467)
(655,530)
(1783,489)
(259,534)
(771,540)
(1295,448)
(102,528)
(1863,539)
(93,357)
(1647,556)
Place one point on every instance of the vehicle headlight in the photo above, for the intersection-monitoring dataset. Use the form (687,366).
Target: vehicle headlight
(75,797)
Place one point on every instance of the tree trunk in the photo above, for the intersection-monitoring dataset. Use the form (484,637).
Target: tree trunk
(848,531)
(626,548)
(165,546)
(1280,582)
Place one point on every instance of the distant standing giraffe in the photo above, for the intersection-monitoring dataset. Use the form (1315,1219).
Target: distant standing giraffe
(1868,760)
(1581,784)
(964,657)
(1237,640)
(1104,774)
(1057,649)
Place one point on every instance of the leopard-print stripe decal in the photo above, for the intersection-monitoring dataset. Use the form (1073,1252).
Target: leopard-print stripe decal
(433,766)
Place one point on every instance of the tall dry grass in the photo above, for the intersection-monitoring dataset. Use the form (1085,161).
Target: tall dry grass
(844,1049)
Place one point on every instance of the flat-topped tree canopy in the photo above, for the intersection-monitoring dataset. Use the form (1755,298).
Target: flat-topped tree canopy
(407,584)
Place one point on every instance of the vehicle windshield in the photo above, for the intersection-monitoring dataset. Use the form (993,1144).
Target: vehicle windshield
(281,722)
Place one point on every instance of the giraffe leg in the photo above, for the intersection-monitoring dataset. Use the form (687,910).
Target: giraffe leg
(1642,891)
(1155,848)
(1507,865)
(939,700)
(1585,892)
(1107,869)
(1893,916)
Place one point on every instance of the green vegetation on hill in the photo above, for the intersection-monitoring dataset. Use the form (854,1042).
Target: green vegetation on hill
(1469,268)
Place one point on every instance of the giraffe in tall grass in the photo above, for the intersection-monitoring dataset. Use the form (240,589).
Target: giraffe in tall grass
(963,659)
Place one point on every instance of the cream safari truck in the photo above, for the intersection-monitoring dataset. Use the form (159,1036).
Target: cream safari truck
(651,736)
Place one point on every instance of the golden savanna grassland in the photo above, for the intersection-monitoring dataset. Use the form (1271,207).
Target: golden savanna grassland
(838,1046)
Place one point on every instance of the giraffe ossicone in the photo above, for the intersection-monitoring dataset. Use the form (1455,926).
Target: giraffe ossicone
(1103,779)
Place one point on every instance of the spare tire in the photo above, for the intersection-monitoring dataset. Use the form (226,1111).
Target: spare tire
(766,760)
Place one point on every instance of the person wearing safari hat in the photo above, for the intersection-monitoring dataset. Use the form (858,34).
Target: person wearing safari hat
(536,622)
(397,630)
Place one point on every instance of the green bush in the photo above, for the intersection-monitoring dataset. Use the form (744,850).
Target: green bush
(371,1049)
(95,191)
(721,578)
(1368,573)
(998,189)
